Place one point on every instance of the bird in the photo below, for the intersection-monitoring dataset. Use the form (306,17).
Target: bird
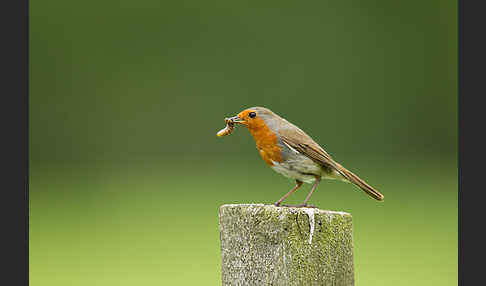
(291,152)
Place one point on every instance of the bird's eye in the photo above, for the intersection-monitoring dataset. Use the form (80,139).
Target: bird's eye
(252,114)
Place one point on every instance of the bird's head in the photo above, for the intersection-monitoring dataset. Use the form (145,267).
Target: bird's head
(253,118)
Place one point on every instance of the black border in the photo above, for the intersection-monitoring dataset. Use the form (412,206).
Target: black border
(471,141)
(14,109)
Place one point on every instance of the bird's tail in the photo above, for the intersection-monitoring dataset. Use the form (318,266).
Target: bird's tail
(360,183)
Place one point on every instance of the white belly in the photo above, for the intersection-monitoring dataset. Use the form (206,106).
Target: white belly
(296,167)
(303,169)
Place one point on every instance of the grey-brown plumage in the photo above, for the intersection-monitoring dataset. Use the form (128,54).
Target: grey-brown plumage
(300,157)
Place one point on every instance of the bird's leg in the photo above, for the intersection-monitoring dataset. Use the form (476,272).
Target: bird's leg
(298,184)
(304,204)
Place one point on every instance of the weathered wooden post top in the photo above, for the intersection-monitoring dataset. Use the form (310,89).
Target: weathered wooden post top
(268,245)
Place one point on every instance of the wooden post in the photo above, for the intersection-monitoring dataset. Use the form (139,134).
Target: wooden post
(268,245)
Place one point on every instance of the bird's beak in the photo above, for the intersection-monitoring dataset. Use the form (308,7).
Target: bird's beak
(234,119)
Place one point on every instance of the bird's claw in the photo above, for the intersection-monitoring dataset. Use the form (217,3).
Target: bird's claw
(300,206)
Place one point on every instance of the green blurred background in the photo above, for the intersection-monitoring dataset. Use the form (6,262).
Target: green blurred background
(126,173)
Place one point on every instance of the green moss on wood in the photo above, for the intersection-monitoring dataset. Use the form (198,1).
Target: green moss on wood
(268,245)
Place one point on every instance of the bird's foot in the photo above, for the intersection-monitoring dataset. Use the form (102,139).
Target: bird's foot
(300,206)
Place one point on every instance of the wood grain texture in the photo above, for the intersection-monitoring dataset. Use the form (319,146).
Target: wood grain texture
(268,245)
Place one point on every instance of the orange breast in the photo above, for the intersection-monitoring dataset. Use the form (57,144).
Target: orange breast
(266,142)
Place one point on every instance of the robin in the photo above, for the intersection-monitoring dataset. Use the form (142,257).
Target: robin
(291,152)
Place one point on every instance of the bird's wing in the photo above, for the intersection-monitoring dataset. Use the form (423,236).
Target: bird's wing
(303,143)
